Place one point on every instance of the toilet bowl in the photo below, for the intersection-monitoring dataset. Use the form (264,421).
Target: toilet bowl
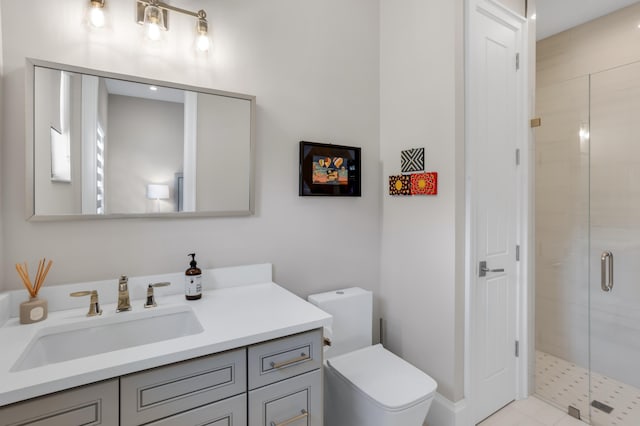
(365,384)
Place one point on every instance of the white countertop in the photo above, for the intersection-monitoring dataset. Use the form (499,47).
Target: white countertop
(231,318)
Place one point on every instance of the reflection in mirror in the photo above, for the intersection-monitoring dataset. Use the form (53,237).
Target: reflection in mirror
(106,145)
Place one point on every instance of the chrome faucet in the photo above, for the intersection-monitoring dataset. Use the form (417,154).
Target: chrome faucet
(124,303)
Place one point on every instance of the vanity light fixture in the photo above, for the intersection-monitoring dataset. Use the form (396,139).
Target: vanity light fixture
(154,16)
(96,13)
(202,42)
(153,22)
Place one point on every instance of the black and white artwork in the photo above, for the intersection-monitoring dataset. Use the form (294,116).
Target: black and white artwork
(412,160)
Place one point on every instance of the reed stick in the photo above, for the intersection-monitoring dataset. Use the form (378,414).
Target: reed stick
(41,274)
(24,275)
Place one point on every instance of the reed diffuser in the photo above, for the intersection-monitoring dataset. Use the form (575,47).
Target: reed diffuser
(35,309)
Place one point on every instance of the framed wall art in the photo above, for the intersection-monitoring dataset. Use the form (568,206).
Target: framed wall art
(329,170)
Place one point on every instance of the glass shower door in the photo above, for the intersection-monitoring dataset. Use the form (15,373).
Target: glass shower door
(562,245)
(615,246)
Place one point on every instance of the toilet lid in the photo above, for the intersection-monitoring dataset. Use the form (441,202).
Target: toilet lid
(384,377)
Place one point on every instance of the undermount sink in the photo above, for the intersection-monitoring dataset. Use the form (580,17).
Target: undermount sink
(94,336)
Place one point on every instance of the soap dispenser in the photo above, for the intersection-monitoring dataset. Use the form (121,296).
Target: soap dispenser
(193,280)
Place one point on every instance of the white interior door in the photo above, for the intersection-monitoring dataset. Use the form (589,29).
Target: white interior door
(492,163)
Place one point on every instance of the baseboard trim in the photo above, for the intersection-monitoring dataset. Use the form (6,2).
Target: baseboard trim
(444,412)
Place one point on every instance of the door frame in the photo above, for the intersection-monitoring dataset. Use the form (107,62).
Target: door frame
(525,367)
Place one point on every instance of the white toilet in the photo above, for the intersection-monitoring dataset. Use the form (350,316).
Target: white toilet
(365,384)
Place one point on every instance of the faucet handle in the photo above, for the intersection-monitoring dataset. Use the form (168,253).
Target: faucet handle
(123,282)
(124,303)
(94,306)
(151,301)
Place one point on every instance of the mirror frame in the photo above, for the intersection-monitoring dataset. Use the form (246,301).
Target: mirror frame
(30,65)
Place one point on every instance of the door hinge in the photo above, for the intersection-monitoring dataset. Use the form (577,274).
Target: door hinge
(517,349)
(517,61)
(517,253)
(518,157)
(535,122)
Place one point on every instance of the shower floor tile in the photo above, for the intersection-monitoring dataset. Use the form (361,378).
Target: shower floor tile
(565,384)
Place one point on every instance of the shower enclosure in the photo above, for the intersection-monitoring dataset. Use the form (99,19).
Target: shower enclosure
(588,246)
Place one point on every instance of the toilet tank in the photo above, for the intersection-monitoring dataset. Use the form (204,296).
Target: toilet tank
(351,309)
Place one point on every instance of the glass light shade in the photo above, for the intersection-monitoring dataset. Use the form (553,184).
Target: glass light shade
(202,28)
(153,22)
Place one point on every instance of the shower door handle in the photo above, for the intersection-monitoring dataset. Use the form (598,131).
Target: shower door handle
(606,271)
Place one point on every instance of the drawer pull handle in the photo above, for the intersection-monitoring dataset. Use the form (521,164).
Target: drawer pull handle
(302,357)
(293,419)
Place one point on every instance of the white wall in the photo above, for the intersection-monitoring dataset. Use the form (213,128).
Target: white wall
(422,277)
(55,197)
(314,69)
(144,147)
(1,155)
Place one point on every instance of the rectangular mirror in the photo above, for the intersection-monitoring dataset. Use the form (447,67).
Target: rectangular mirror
(103,145)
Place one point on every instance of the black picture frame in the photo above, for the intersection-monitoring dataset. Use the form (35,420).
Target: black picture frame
(329,170)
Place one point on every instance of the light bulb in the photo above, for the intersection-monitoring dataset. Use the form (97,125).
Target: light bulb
(96,17)
(96,13)
(153,32)
(202,43)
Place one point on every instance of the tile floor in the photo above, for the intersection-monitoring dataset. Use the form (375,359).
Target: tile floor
(531,412)
(563,383)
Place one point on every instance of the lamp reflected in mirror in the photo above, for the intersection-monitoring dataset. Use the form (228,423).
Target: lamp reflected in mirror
(157,192)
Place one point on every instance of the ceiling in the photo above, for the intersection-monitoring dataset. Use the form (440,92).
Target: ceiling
(554,16)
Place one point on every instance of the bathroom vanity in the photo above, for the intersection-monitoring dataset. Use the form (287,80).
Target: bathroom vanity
(255,360)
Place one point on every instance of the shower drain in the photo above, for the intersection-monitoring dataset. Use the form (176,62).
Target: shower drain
(601,406)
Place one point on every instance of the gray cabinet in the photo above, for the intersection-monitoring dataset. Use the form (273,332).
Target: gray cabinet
(293,402)
(280,359)
(161,392)
(274,383)
(228,412)
(90,405)
(285,381)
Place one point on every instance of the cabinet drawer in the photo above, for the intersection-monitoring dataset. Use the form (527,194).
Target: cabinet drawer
(95,404)
(228,412)
(280,359)
(293,402)
(161,392)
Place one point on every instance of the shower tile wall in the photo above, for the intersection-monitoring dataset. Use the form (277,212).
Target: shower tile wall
(562,206)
